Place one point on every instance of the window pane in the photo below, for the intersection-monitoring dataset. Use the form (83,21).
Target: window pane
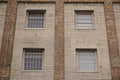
(86,17)
(84,21)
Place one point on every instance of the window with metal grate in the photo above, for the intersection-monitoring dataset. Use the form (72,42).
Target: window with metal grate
(33,59)
(35,18)
(86,60)
(84,19)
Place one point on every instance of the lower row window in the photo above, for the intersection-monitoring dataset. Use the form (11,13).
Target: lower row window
(33,59)
(86,59)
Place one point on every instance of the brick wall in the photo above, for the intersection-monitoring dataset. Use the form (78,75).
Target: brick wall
(34,38)
(89,39)
(59,27)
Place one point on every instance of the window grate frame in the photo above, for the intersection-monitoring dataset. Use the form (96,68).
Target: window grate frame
(35,22)
(80,24)
(96,60)
(34,66)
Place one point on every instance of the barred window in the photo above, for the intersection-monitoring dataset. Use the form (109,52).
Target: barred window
(84,19)
(86,60)
(33,59)
(35,18)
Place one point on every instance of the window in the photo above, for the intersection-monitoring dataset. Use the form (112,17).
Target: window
(84,19)
(86,59)
(33,59)
(35,18)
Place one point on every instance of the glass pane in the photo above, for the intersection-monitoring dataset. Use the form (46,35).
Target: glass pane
(87,67)
(35,23)
(84,21)
(86,17)
(82,67)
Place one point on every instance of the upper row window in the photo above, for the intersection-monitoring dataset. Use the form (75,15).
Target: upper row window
(35,18)
(84,19)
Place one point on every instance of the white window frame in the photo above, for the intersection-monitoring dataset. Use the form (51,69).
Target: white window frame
(27,16)
(95,52)
(82,27)
(23,60)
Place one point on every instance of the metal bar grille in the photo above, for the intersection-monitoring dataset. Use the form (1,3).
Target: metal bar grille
(86,60)
(36,19)
(84,19)
(33,59)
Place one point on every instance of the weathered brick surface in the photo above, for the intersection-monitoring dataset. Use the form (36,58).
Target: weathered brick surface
(3,0)
(112,39)
(8,39)
(36,0)
(2,19)
(64,0)
(89,0)
(84,0)
(117,19)
(59,41)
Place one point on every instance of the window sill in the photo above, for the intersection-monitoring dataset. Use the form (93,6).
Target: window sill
(88,71)
(85,28)
(34,71)
(35,28)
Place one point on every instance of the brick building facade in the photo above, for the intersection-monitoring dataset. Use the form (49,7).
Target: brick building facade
(59,39)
